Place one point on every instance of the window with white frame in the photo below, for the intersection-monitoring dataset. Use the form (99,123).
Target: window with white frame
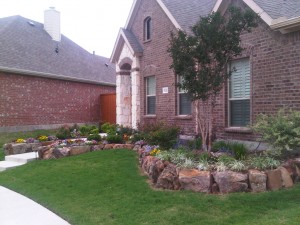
(239,93)
(150,95)
(184,102)
(147,28)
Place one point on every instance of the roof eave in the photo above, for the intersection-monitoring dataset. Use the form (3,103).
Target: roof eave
(133,12)
(287,26)
(169,14)
(52,76)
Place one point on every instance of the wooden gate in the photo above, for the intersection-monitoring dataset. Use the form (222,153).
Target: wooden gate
(108,108)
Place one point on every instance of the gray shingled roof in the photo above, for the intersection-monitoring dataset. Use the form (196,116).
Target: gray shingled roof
(27,47)
(188,12)
(280,8)
(133,41)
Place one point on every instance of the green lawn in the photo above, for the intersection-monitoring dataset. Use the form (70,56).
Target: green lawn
(8,137)
(107,187)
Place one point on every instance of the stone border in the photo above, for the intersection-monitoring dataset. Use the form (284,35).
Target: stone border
(166,175)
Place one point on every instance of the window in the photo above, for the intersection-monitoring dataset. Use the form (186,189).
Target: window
(184,102)
(239,93)
(150,95)
(147,28)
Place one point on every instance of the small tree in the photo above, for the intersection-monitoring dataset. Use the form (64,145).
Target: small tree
(201,60)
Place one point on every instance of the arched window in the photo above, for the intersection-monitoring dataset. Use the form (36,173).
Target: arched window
(147,28)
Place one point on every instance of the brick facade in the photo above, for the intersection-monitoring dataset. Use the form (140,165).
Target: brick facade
(155,56)
(275,73)
(29,101)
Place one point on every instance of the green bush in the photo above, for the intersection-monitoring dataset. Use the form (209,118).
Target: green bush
(95,131)
(138,137)
(281,131)
(109,128)
(162,135)
(85,130)
(220,146)
(63,133)
(115,139)
(239,150)
(95,137)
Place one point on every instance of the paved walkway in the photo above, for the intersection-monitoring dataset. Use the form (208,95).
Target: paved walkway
(16,209)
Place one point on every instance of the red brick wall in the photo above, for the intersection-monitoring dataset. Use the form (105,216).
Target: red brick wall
(155,53)
(28,100)
(275,74)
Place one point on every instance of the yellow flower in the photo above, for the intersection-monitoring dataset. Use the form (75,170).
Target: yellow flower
(20,140)
(43,138)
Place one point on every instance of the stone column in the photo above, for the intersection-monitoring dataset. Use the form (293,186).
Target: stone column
(123,100)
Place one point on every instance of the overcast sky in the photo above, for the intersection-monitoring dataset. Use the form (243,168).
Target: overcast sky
(92,24)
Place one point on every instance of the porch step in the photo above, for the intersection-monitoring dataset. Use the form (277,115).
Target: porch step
(4,165)
(22,158)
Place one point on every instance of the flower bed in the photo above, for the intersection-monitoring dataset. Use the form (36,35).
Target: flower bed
(167,175)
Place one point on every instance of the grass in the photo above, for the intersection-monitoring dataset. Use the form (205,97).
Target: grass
(107,187)
(9,137)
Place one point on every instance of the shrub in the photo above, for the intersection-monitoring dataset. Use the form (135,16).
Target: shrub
(95,131)
(221,146)
(113,138)
(87,129)
(138,137)
(109,128)
(239,150)
(95,137)
(188,163)
(281,131)
(162,135)
(63,133)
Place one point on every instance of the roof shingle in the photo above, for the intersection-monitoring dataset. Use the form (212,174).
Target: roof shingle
(25,46)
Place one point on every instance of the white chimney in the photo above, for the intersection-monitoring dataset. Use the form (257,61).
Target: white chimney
(52,23)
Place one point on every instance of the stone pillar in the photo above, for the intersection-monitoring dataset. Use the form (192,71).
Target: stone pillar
(123,100)
(135,98)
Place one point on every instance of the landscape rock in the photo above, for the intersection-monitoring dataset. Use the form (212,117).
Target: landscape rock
(168,179)
(129,146)
(97,147)
(155,169)
(287,181)
(257,181)
(195,180)
(109,146)
(20,148)
(274,179)
(76,150)
(229,181)
(136,147)
(119,146)
(45,152)
(215,188)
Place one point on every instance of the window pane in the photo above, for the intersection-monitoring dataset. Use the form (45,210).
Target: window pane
(151,104)
(185,106)
(240,113)
(151,86)
(240,79)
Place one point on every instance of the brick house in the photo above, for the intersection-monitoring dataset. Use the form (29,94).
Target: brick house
(47,80)
(267,76)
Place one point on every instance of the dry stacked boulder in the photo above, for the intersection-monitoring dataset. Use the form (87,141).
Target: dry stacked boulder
(166,175)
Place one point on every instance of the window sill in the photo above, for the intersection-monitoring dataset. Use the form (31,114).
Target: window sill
(146,41)
(149,116)
(184,117)
(243,130)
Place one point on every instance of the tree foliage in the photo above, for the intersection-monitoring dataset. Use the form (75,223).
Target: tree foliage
(201,57)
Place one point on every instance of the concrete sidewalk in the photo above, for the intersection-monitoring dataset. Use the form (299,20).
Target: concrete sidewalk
(16,209)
